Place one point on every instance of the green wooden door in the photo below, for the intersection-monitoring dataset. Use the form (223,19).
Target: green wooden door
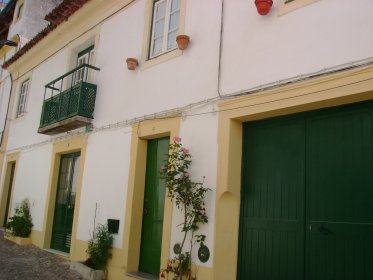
(65,202)
(307,192)
(340,194)
(152,223)
(10,186)
(272,207)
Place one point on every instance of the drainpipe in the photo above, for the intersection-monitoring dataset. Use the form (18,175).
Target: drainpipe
(220,47)
(7,110)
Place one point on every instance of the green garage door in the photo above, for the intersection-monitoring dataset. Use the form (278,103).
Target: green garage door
(307,196)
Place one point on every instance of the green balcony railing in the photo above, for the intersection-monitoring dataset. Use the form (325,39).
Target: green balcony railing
(69,96)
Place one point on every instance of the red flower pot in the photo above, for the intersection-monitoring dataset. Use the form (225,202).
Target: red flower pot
(263,6)
(182,41)
(132,63)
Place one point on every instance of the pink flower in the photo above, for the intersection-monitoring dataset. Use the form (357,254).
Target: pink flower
(185,150)
(176,139)
(186,174)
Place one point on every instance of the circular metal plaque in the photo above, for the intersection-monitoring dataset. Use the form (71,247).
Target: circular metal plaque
(177,248)
(203,253)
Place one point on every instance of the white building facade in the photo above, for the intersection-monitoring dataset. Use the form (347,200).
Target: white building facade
(240,74)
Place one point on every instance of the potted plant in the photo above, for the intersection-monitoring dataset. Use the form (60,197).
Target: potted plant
(99,253)
(189,199)
(182,41)
(20,225)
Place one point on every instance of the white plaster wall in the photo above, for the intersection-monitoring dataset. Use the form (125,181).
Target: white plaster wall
(199,135)
(105,182)
(31,181)
(262,49)
(179,81)
(23,130)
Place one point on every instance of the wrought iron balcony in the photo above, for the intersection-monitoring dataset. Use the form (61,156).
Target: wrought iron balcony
(69,101)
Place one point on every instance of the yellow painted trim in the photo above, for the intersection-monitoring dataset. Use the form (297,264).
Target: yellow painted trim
(135,193)
(333,90)
(10,159)
(37,238)
(18,240)
(60,148)
(5,49)
(285,8)
(145,61)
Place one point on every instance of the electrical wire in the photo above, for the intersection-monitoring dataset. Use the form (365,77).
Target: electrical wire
(167,114)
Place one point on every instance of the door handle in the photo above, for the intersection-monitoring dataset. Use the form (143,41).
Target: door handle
(145,211)
(324,230)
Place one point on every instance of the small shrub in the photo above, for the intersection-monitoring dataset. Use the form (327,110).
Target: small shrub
(99,248)
(21,223)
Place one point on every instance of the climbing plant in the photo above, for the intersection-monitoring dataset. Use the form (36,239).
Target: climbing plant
(189,197)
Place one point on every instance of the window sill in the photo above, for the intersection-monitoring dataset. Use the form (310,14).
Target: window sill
(293,5)
(19,118)
(145,64)
(142,276)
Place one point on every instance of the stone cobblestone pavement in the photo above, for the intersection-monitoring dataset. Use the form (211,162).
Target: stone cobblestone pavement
(31,263)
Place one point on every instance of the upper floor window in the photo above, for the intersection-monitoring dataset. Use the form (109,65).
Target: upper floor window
(84,57)
(19,11)
(21,110)
(165,26)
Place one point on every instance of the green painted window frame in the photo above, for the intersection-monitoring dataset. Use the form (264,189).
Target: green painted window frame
(79,75)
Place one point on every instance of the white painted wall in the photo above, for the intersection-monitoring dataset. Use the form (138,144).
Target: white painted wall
(23,130)
(105,181)
(263,49)
(173,83)
(31,181)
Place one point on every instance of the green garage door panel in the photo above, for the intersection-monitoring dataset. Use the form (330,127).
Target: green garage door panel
(307,196)
(340,195)
(272,205)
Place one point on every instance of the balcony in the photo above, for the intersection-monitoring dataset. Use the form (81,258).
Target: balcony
(69,101)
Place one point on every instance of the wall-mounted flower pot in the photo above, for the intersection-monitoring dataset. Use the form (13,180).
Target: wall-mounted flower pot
(263,6)
(182,41)
(132,63)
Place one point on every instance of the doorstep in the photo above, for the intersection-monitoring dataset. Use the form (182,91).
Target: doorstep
(142,275)
(63,255)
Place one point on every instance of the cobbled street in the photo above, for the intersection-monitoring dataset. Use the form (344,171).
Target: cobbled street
(31,263)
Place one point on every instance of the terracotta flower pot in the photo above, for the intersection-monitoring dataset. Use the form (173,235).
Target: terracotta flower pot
(263,6)
(132,63)
(182,41)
